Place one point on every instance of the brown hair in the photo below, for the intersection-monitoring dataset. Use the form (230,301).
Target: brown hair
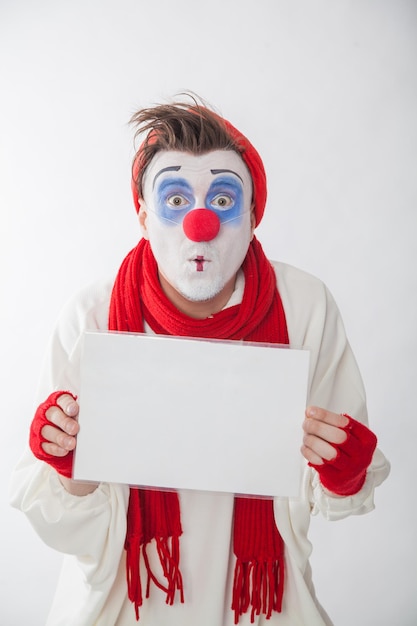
(178,126)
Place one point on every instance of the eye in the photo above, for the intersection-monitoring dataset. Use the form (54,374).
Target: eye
(222,201)
(177,201)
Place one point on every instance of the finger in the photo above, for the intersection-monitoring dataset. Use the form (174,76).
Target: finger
(53,450)
(311,456)
(68,425)
(319,447)
(68,405)
(324,431)
(321,415)
(57,437)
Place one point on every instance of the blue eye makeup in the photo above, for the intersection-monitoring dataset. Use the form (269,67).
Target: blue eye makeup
(225,198)
(174,197)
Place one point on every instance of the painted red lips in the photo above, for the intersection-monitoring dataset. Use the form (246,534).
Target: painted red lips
(199,261)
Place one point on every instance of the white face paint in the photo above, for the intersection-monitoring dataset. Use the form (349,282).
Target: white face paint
(175,183)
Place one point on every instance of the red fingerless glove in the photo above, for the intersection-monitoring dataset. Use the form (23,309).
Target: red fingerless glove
(346,473)
(62,464)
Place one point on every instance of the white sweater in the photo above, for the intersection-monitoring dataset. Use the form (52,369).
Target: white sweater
(91,530)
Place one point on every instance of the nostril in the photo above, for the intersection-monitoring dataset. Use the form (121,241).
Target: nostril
(201,225)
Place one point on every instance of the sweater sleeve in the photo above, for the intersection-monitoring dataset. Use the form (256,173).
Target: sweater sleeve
(91,527)
(335,383)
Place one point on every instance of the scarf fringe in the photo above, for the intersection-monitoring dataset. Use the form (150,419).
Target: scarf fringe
(168,550)
(134,585)
(259,585)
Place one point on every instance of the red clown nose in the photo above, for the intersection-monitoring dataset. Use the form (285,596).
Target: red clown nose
(201,225)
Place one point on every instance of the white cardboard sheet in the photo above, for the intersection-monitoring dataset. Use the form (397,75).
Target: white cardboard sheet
(180,413)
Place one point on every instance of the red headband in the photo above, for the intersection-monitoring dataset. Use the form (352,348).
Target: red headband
(250,156)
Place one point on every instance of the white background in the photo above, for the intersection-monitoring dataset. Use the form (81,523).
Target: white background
(327,92)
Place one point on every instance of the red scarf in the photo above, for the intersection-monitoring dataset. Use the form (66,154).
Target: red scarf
(155,515)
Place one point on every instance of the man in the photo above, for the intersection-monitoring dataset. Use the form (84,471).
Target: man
(191,558)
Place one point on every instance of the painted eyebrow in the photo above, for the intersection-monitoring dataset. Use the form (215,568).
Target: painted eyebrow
(171,168)
(226,171)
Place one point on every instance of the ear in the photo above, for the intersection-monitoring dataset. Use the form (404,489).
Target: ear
(142,217)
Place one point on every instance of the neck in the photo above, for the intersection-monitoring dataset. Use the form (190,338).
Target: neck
(201,309)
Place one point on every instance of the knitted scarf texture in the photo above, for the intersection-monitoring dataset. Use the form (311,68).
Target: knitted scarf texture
(154,515)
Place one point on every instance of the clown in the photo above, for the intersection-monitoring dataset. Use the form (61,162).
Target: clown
(188,558)
(198,218)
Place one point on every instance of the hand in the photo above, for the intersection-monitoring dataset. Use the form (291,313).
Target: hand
(53,435)
(322,429)
(60,434)
(53,431)
(339,448)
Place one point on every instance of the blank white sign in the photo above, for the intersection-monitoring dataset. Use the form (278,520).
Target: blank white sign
(180,413)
